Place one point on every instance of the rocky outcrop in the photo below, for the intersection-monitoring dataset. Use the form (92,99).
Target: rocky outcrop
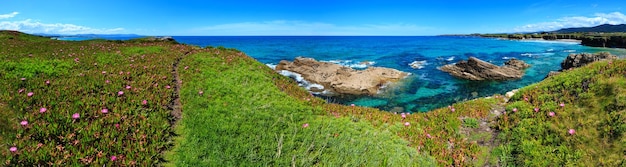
(552,73)
(579,60)
(340,79)
(476,69)
(516,64)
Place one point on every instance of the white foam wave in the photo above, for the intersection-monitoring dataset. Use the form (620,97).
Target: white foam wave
(506,58)
(351,64)
(569,51)
(419,64)
(304,83)
(272,66)
(450,59)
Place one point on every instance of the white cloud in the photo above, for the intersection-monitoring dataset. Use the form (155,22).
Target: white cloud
(282,27)
(6,16)
(30,26)
(578,21)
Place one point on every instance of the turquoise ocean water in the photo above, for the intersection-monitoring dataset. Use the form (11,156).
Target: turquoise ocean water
(427,88)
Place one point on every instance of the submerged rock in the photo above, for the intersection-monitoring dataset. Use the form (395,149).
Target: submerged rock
(340,79)
(579,60)
(476,69)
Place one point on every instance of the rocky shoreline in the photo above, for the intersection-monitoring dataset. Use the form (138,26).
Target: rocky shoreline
(606,40)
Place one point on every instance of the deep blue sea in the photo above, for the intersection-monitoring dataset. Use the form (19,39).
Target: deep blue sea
(427,88)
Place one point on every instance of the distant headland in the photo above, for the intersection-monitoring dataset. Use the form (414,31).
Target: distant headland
(606,35)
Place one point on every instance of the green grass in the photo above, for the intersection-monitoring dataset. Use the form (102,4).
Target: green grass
(248,115)
(594,99)
(242,118)
(133,132)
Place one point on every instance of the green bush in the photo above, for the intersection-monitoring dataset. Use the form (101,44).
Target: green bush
(470,123)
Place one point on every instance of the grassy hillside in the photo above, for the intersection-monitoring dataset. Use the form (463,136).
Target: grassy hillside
(83,102)
(177,105)
(234,115)
(575,118)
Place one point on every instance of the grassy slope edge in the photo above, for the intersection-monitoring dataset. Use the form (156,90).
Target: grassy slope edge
(241,118)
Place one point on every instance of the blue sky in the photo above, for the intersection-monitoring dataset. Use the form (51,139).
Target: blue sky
(304,17)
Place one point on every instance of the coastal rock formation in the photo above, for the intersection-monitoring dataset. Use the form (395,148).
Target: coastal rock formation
(340,79)
(476,69)
(579,60)
(517,64)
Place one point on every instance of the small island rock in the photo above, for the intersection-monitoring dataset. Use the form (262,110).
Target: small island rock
(340,79)
(477,70)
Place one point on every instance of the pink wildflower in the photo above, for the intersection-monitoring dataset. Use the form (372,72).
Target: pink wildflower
(13,149)
(403,115)
(24,123)
(562,104)
(407,124)
(452,109)
(428,135)
(104,111)
(571,131)
(514,109)
(200,92)
(47,82)
(128,87)
(120,93)
(525,98)
(144,102)
(21,90)
(30,94)
(23,79)
(113,158)
(43,110)
(536,109)
(305,125)
(551,114)
(167,87)
(75,116)
(352,105)
(186,67)
(117,126)
(104,72)
(107,81)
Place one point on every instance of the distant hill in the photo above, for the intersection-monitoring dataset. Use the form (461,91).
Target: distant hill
(601,28)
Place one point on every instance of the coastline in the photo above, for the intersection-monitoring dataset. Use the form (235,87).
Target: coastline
(576,41)
(606,40)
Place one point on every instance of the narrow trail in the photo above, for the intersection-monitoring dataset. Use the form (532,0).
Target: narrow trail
(485,135)
(175,105)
